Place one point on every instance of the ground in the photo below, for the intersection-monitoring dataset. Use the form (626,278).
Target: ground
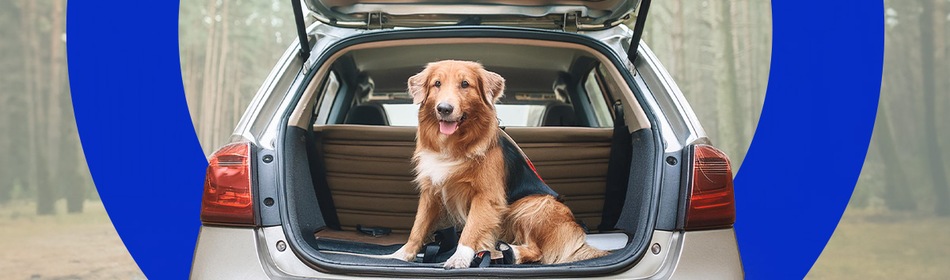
(62,246)
(886,246)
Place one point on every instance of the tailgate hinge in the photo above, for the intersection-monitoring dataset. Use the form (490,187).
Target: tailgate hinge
(374,20)
(570,22)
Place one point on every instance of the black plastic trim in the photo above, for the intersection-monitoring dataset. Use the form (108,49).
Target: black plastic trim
(686,179)
(252,160)
(638,30)
(669,210)
(267,188)
(301,30)
(579,269)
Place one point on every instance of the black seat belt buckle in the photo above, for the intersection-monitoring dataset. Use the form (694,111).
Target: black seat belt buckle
(481,259)
(445,241)
(373,231)
(507,253)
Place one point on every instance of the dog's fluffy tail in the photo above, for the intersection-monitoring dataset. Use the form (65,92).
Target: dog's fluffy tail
(586,252)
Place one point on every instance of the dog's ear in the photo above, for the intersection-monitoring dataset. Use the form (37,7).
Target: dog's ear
(493,85)
(417,85)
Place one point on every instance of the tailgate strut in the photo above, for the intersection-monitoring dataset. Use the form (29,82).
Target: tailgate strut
(302,30)
(638,30)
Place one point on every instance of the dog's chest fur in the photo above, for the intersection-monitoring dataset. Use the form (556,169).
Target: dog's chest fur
(436,167)
(441,171)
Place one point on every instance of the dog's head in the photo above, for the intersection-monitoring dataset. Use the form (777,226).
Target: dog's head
(454,92)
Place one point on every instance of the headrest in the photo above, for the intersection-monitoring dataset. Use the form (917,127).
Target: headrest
(559,114)
(368,114)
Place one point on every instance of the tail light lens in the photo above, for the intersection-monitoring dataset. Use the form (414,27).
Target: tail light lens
(227,195)
(712,198)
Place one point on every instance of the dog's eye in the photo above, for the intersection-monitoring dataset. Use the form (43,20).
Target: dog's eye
(438,84)
(464,84)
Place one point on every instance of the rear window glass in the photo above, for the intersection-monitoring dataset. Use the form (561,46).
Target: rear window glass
(597,101)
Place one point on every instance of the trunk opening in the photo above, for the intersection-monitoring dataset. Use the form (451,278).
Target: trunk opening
(347,148)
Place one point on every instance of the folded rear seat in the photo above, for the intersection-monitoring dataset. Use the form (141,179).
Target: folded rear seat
(369,174)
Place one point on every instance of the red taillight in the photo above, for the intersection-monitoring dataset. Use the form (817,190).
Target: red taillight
(227,196)
(711,200)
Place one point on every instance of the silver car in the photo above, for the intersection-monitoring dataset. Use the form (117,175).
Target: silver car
(318,173)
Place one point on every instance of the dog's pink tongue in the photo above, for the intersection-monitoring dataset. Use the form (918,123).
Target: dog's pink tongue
(448,128)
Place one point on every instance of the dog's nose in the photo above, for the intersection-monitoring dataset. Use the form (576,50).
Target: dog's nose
(444,108)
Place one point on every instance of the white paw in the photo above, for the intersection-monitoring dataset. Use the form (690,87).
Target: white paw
(402,254)
(517,255)
(461,259)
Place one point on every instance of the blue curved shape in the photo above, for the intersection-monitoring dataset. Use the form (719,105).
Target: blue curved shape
(135,127)
(813,134)
(792,188)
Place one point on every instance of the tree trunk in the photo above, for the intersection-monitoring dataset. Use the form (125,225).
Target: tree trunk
(679,38)
(72,169)
(896,192)
(45,197)
(207,82)
(222,83)
(934,156)
(730,106)
(53,108)
(8,110)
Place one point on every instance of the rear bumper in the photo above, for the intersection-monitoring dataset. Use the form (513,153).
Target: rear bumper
(243,253)
(227,253)
(711,254)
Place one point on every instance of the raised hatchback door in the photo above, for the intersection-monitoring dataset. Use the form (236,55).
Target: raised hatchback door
(567,15)
(546,14)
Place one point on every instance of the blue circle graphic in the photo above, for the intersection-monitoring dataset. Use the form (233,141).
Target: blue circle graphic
(135,128)
(813,134)
(796,179)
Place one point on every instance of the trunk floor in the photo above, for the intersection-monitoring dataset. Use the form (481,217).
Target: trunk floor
(353,236)
(335,241)
(363,244)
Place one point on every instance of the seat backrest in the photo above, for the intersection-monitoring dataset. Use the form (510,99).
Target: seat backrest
(368,114)
(573,162)
(559,114)
(369,174)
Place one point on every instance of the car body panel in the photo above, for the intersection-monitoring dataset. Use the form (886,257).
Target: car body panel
(248,253)
(708,254)
(227,253)
(670,99)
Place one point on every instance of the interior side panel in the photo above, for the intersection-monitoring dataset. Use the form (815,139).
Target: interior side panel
(643,168)
(299,192)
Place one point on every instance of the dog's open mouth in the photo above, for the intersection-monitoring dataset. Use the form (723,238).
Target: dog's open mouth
(448,127)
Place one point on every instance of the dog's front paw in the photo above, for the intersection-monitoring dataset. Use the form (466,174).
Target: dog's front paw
(403,254)
(461,259)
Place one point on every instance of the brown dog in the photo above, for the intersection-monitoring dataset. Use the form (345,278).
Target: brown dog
(461,172)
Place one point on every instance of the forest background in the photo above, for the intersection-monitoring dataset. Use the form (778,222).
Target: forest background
(717,51)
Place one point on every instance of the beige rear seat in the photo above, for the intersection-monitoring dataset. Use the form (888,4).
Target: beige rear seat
(370,175)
